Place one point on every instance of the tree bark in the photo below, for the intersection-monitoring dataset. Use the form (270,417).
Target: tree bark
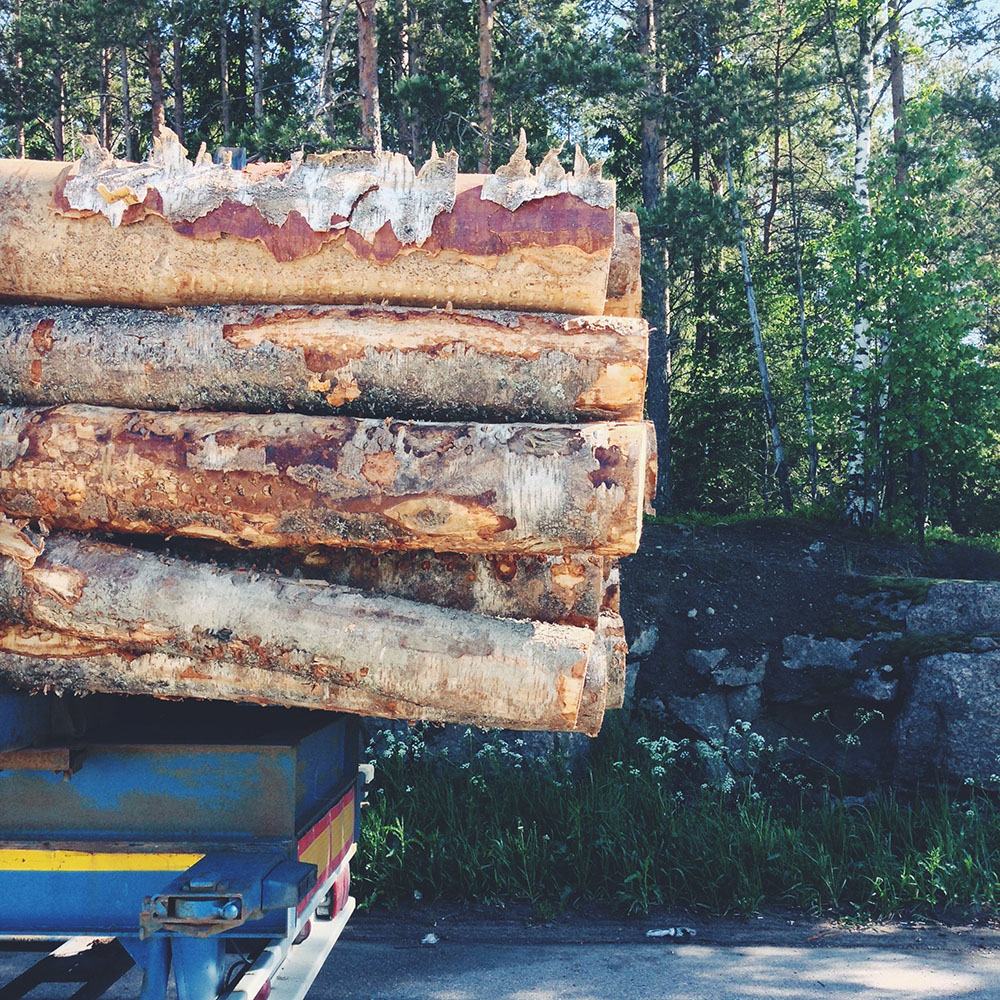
(415,61)
(487,10)
(155,70)
(480,253)
(611,630)
(126,104)
(288,480)
(772,207)
(658,299)
(59,98)
(771,415)
(563,590)
(404,140)
(861,507)
(360,361)
(224,71)
(371,115)
(258,67)
(90,616)
(104,99)
(18,67)
(177,49)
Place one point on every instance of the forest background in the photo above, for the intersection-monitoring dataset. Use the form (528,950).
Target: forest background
(818,183)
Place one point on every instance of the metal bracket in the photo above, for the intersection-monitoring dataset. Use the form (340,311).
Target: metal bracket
(224,890)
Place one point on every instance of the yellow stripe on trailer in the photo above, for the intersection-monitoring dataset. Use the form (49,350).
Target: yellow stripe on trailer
(17,859)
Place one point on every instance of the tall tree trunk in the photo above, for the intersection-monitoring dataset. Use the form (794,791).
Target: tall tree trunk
(861,506)
(58,89)
(772,207)
(258,67)
(487,8)
(106,130)
(657,285)
(155,70)
(803,328)
(403,138)
(415,61)
(224,71)
(102,98)
(178,73)
(126,105)
(371,115)
(18,83)
(770,413)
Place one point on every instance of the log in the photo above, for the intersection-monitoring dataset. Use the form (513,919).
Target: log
(567,589)
(339,228)
(358,361)
(594,697)
(611,631)
(92,616)
(291,480)
(625,273)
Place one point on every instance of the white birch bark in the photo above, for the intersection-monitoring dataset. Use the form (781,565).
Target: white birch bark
(860,496)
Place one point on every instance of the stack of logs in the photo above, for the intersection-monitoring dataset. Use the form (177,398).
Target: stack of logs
(329,433)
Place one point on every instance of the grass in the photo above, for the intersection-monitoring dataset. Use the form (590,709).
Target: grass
(640,829)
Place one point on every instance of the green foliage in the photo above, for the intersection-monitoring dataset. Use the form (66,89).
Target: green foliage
(723,828)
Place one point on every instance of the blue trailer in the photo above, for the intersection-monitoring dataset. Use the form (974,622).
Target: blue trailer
(212,840)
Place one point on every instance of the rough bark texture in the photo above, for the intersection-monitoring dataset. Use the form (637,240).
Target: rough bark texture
(565,590)
(625,274)
(861,508)
(290,480)
(344,228)
(611,632)
(155,69)
(371,114)
(89,616)
(594,697)
(487,10)
(224,70)
(126,102)
(258,66)
(361,361)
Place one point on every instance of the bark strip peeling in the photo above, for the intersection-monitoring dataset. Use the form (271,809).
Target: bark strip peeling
(360,361)
(290,480)
(342,227)
(90,616)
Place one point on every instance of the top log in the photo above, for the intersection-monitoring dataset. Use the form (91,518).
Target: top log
(345,227)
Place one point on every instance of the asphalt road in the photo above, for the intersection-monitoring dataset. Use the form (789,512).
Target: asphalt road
(384,960)
(380,958)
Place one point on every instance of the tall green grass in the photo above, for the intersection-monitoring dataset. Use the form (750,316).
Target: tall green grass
(639,828)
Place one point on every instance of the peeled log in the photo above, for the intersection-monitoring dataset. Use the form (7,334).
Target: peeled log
(90,616)
(341,228)
(291,480)
(358,361)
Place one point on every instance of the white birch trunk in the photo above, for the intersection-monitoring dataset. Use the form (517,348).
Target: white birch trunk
(860,497)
